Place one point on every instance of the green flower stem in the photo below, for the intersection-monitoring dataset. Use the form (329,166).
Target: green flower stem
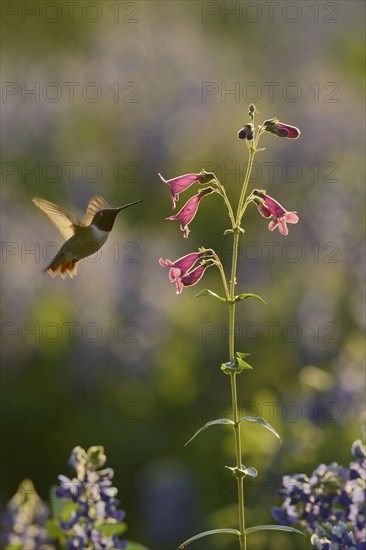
(246,202)
(222,273)
(245,184)
(232,332)
(234,398)
(240,480)
(221,190)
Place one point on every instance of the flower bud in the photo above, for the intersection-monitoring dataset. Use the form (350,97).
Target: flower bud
(246,132)
(274,126)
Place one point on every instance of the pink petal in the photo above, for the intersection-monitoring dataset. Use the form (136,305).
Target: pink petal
(179,286)
(174,274)
(272,225)
(187,213)
(185,230)
(282,227)
(173,218)
(179,184)
(165,263)
(277,210)
(291,217)
(186,262)
(174,199)
(189,210)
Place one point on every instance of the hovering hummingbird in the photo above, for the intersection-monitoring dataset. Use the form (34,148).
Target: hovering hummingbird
(82,238)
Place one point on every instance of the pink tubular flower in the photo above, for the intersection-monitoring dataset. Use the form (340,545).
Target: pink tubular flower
(270,207)
(189,210)
(181,272)
(181,183)
(274,126)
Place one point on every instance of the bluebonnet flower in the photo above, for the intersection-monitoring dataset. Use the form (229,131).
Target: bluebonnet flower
(330,503)
(91,503)
(24,520)
(335,536)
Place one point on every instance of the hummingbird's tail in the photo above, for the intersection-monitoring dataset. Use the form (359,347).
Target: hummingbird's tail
(62,268)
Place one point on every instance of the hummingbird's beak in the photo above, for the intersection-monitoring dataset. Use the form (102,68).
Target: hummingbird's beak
(127,205)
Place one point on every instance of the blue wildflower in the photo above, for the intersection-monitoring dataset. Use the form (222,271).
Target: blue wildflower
(24,520)
(335,536)
(94,502)
(330,503)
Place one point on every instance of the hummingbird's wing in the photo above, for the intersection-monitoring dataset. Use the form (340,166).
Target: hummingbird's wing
(95,204)
(64,221)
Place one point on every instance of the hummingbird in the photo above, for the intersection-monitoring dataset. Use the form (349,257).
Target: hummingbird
(82,238)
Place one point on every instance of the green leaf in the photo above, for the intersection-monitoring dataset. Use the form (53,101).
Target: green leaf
(243,471)
(241,363)
(57,504)
(242,355)
(273,528)
(53,528)
(252,472)
(237,367)
(109,529)
(229,368)
(208,533)
(68,509)
(260,420)
(207,292)
(249,295)
(135,546)
(211,423)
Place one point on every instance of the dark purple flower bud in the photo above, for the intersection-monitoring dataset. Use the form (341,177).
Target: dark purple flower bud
(189,210)
(181,183)
(246,132)
(274,126)
(270,207)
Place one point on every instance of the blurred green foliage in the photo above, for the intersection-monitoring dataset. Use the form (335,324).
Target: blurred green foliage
(115,357)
